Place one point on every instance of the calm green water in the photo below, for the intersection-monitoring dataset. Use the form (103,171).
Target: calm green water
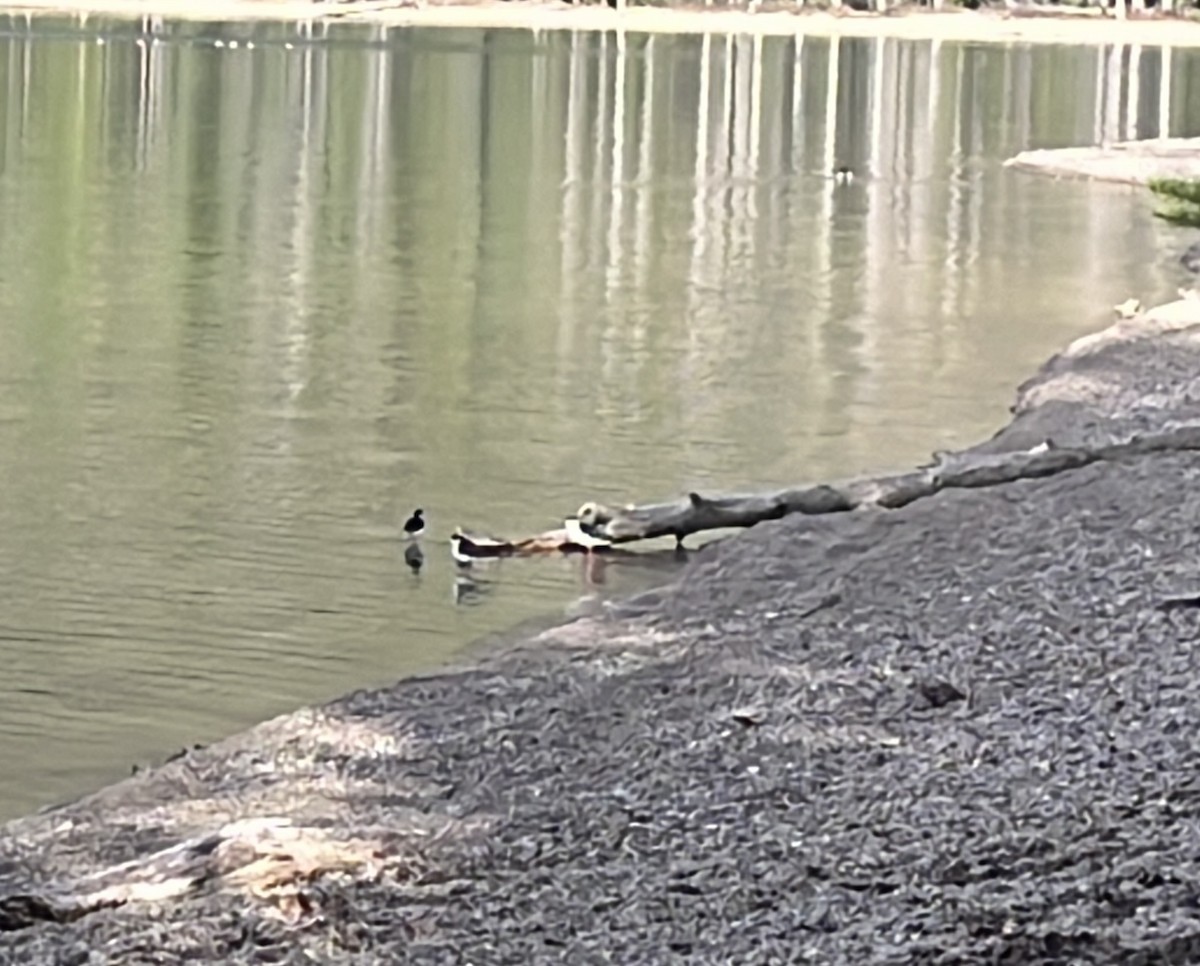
(265,289)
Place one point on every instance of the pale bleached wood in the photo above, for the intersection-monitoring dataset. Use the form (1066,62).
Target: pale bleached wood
(269,858)
(695,512)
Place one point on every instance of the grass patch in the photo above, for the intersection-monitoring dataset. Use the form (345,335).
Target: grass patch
(1178,200)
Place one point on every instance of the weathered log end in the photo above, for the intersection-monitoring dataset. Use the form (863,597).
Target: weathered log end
(267,858)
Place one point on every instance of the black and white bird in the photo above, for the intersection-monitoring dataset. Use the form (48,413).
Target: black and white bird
(580,535)
(466,548)
(414,526)
(458,551)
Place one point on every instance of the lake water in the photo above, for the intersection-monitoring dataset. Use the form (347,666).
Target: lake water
(264,289)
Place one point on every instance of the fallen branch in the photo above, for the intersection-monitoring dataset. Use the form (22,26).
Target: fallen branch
(695,512)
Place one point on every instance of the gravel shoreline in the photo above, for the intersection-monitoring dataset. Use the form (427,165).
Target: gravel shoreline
(958,732)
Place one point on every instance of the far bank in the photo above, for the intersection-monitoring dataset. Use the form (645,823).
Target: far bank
(962,26)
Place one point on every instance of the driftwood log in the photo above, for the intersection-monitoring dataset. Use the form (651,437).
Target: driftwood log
(268,858)
(695,513)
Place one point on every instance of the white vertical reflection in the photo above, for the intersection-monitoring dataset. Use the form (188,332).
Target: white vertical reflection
(617,169)
(373,158)
(603,130)
(703,290)
(1112,101)
(797,145)
(885,90)
(747,97)
(616,347)
(150,85)
(878,161)
(311,97)
(645,170)
(954,268)
(572,227)
(719,196)
(700,187)
(1098,93)
(828,184)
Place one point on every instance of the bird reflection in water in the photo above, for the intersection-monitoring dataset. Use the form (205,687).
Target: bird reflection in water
(470,590)
(594,569)
(414,557)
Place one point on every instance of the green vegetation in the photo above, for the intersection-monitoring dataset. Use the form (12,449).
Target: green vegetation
(1179,200)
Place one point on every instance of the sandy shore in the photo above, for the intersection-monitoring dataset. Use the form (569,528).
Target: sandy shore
(1129,162)
(994,27)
